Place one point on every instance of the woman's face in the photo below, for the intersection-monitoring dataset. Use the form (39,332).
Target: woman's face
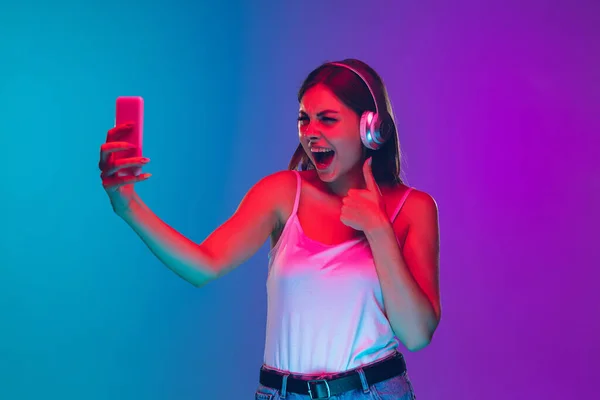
(329,133)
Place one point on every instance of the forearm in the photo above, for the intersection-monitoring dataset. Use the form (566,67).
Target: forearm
(178,253)
(408,309)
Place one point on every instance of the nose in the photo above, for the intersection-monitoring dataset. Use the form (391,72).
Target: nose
(310,133)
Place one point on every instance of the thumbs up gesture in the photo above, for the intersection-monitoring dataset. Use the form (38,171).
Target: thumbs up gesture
(364,209)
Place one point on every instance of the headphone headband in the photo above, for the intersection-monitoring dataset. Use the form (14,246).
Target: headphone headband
(357,72)
(374,130)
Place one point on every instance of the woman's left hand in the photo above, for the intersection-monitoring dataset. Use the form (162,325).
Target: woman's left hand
(364,209)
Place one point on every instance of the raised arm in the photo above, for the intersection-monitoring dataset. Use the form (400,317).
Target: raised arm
(228,246)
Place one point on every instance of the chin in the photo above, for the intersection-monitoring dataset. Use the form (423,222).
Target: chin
(326,178)
(328,175)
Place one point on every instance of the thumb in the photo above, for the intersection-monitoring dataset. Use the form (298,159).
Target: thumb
(369,179)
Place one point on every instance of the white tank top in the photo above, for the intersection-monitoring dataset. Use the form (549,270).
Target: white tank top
(325,311)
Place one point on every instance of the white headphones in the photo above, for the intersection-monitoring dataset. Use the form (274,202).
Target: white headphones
(370,122)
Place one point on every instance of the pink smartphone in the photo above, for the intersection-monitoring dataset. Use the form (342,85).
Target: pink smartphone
(130,109)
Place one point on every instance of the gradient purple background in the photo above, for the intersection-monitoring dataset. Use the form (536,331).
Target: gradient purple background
(499,111)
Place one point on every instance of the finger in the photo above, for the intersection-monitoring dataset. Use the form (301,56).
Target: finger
(345,222)
(118,131)
(357,193)
(350,210)
(110,147)
(349,220)
(368,174)
(352,192)
(115,182)
(349,203)
(126,163)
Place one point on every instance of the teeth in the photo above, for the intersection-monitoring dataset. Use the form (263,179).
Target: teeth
(320,150)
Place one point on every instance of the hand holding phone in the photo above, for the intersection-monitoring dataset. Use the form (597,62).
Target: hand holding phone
(121,158)
(129,110)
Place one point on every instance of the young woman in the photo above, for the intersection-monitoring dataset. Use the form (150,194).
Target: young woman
(353,269)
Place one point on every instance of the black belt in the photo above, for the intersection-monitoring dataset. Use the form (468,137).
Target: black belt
(337,384)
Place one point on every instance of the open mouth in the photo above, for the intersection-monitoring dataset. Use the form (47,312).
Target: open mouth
(323,157)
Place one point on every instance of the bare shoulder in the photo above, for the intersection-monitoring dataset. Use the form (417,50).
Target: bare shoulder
(421,202)
(255,219)
(278,181)
(419,210)
(279,189)
(420,205)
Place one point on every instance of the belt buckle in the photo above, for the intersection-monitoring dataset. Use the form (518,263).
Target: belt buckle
(310,393)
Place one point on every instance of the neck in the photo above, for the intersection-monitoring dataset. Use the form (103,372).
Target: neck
(353,179)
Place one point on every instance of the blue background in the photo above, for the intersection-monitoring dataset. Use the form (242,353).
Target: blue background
(498,113)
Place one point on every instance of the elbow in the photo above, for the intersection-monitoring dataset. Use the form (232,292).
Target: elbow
(418,343)
(201,278)
(206,273)
(204,280)
(200,284)
(420,338)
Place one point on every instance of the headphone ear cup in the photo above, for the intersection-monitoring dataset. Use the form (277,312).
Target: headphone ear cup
(385,128)
(364,130)
(370,133)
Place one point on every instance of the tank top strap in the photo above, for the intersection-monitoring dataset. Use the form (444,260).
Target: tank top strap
(401,203)
(298,188)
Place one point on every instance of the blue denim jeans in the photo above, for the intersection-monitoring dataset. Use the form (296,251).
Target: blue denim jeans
(396,388)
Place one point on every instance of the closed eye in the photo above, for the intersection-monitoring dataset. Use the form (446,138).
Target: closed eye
(328,120)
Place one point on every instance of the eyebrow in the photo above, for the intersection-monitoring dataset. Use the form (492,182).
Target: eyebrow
(323,112)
